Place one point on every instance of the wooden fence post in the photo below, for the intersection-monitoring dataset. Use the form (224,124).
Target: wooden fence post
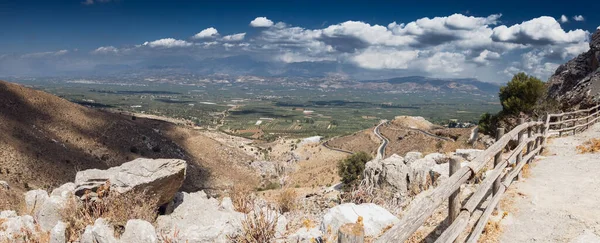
(520,153)
(454,200)
(497,160)
(351,233)
(560,125)
(529,144)
(538,131)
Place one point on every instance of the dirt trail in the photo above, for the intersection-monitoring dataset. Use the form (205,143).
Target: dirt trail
(560,201)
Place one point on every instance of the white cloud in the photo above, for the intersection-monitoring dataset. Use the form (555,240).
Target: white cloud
(234,37)
(207,33)
(485,56)
(45,54)
(538,31)
(291,57)
(261,22)
(578,18)
(167,43)
(445,62)
(105,50)
(564,19)
(374,58)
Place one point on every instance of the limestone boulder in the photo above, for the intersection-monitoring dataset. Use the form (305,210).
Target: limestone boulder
(34,200)
(412,156)
(139,231)
(13,226)
(199,218)
(66,190)
(159,178)
(468,154)
(58,233)
(375,218)
(305,235)
(50,212)
(100,232)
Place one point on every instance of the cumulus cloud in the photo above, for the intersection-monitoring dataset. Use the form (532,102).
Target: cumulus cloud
(445,62)
(167,43)
(207,33)
(578,18)
(485,56)
(106,50)
(539,31)
(234,37)
(261,22)
(564,19)
(374,58)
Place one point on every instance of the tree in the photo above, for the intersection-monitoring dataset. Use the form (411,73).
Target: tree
(351,168)
(521,94)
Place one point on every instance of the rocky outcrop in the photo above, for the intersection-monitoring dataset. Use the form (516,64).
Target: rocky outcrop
(375,218)
(216,223)
(100,232)
(34,200)
(403,176)
(576,84)
(139,231)
(154,177)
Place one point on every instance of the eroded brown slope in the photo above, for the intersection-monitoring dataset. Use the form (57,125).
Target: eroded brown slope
(45,140)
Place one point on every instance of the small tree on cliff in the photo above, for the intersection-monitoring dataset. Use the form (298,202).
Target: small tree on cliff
(521,94)
(352,167)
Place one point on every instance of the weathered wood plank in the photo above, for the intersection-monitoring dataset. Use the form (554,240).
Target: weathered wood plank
(454,230)
(478,229)
(351,233)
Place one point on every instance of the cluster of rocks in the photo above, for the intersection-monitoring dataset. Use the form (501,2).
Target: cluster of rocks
(412,174)
(576,84)
(188,217)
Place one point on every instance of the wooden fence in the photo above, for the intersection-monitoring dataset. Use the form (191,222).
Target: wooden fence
(530,137)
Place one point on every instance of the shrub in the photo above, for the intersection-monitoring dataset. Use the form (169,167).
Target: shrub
(116,208)
(352,167)
(258,226)
(287,200)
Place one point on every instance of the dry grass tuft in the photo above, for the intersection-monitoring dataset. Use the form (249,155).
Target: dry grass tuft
(11,200)
(526,171)
(590,146)
(242,198)
(362,194)
(257,227)
(116,208)
(491,233)
(287,200)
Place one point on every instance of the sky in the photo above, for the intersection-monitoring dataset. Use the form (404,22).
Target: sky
(488,40)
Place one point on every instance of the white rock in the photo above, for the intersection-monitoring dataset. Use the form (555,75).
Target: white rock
(34,200)
(139,231)
(58,233)
(13,226)
(375,218)
(200,219)
(65,190)
(8,214)
(50,212)
(304,235)
(162,177)
(412,156)
(227,204)
(438,158)
(4,185)
(101,232)
(468,154)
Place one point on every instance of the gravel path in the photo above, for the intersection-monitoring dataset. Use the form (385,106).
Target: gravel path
(560,201)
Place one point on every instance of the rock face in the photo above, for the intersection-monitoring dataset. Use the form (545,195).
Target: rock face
(139,231)
(100,232)
(12,226)
(200,219)
(34,200)
(402,176)
(375,218)
(58,233)
(576,84)
(468,154)
(155,177)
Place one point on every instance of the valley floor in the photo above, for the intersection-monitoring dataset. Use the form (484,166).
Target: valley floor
(559,201)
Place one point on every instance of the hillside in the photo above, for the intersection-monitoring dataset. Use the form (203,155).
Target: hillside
(45,140)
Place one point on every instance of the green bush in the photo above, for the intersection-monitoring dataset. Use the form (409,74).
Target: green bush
(352,167)
(521,94)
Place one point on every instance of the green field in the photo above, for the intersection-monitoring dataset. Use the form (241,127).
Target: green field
(294,112)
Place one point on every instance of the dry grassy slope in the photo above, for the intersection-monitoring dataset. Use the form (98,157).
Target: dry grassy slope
(45,140)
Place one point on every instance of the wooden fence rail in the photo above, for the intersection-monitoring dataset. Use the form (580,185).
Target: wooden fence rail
(531,137)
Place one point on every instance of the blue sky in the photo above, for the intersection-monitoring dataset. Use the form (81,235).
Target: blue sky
(484,39)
